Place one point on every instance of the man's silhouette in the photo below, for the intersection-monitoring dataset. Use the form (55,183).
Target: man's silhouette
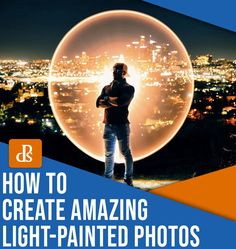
(115,98)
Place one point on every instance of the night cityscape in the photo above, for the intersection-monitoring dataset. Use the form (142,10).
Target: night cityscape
(205,143)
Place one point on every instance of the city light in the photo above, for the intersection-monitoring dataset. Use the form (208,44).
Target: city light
(213,98)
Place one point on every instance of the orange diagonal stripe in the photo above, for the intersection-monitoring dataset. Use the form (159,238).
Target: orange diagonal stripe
(213,192)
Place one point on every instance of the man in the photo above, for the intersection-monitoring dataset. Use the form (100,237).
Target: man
(115,98)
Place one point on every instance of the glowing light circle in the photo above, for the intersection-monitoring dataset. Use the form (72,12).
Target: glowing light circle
(159,68)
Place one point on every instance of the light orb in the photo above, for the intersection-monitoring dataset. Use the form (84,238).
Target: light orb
(159,68)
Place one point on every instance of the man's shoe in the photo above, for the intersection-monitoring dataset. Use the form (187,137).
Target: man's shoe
(129,181)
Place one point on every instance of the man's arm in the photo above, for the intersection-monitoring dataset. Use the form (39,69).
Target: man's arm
(113,101)
(124,99)
(102,100)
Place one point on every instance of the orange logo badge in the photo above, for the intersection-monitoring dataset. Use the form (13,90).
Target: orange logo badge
(25,153)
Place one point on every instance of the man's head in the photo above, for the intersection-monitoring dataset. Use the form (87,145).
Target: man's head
(120,70)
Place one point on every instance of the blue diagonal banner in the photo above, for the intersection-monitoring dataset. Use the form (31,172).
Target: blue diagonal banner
(220,13)
(31,220)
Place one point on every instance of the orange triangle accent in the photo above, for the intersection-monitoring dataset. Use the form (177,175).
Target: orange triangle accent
(213,192)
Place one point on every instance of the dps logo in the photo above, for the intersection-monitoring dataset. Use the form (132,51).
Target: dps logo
(25,153)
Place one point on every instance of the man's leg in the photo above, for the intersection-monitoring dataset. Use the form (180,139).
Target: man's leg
(109,141)
(126,152)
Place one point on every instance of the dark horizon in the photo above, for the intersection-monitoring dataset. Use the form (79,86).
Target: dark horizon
(33,29)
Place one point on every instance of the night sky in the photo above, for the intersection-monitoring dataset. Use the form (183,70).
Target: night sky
(32,29)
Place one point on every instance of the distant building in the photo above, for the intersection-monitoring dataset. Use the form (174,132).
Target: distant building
(203,60)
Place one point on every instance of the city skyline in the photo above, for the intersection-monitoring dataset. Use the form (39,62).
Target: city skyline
(217,75)
(201,64)
(25,110)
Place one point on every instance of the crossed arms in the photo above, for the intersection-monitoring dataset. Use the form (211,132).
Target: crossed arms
(105,101)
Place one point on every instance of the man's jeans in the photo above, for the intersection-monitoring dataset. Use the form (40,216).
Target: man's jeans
(121,133)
